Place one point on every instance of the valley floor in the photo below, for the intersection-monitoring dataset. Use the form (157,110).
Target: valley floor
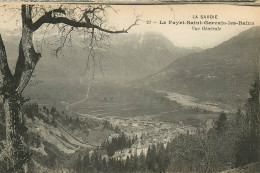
(149,127)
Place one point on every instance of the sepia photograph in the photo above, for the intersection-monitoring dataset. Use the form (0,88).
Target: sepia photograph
(129,87)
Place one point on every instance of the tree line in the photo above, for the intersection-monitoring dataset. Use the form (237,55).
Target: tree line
(232,142)
(107,125)
(117,143)
(157,159)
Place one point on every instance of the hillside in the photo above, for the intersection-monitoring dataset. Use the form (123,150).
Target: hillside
(223,73)
(56,138)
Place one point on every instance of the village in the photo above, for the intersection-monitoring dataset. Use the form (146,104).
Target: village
(149,132)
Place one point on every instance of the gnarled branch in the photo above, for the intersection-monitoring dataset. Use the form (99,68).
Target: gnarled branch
(49,17)
(28,57)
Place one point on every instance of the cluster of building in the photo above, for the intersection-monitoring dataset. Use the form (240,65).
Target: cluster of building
(148,131)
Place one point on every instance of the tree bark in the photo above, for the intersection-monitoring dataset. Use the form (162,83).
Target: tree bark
(11,88)
(18,154)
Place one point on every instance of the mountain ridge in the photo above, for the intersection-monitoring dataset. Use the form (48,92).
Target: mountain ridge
(229,67)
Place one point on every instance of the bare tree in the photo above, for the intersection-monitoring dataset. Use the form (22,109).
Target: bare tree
(89,19)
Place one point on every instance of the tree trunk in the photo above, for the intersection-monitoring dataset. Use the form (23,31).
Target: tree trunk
(11,88)
(18,154)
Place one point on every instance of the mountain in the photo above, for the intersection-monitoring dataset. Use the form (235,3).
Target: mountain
(135,56)
(130,56)
(222,73)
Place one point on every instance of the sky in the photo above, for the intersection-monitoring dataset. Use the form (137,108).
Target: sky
(181,35)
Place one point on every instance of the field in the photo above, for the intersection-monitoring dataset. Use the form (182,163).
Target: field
(139,102)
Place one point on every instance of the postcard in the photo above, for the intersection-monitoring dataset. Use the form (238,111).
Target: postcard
(129,87)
